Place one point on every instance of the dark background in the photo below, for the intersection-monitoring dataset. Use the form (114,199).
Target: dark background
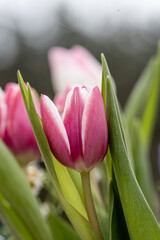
(127,34)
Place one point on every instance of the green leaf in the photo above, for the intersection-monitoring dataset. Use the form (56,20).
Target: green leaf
(147,93)
(128,140)
(68,188)
(16,190)
(143,168)
(105,72)
(76,178)
(117,225)
(151,108)
(81,225)
(103,220)
(11,219)
(111,207)
(139,94)
(61,229)
(109,165)
(140,220)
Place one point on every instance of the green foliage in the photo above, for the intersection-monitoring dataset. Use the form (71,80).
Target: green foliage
(140,220)
(143,100)
(143,168)
(141,111)
(139,94)
(10,218)
(20,208)
(61,229)
(151,107)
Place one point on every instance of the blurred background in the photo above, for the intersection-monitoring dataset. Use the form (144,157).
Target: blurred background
(127,32)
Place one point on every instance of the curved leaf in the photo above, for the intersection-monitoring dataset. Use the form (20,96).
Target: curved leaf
(143,168)
(140,220)
(11,219)
(61,229)
(151,108)
(139,93)
(15,188)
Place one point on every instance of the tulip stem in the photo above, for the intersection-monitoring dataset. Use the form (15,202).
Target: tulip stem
(92,216)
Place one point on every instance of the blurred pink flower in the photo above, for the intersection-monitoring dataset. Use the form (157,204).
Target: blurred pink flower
(79,138)
(15,127)
(73,67)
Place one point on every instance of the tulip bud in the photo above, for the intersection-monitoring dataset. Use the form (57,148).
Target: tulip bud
(79,138)
(73,67)
(16,130)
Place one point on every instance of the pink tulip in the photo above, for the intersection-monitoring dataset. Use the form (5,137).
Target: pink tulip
(17,133)
(79,138)
(73,67)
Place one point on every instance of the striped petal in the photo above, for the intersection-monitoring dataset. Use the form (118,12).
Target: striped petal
(72,119)
(94,129)
(55,131)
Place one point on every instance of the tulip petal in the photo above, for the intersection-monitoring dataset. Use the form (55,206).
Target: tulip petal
(55,131)
(11,90)
(94,129)
(59,100)
(73,67)
(72,119)
(18,122)
(88,63)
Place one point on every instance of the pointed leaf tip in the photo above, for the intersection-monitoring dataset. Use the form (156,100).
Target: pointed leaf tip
(28,86)
(19,76)
(105,68)
(102,57)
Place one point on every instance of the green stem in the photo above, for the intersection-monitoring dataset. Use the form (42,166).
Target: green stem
(92,216)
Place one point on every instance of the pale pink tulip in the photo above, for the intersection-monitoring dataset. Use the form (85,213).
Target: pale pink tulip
(73,67)
(79,138)
(18,134)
